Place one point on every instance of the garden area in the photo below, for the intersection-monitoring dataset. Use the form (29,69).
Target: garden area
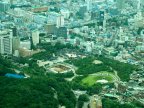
(90,80)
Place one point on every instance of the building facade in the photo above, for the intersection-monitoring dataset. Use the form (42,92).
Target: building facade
(6,42)
(4,6)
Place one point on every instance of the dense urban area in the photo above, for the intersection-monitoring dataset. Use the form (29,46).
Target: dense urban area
(71,53)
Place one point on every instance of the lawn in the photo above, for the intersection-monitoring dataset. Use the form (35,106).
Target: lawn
(91,79)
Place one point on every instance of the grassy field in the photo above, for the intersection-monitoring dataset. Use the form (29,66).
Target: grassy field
(91,79)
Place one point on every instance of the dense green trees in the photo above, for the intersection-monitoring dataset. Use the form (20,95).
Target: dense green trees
(51,49)
(86,66)
(5,62)
(35,92)
(26,93)
(5,66)
(108,103)
(82,98)
(123,69)
(92,68)
(21,60)
(95,89)
(76,83)
(65,75)
(38,91)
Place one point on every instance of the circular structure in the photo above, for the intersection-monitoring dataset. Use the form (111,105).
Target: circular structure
(60,68)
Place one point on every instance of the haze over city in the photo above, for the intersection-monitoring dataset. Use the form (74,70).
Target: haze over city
(71,53)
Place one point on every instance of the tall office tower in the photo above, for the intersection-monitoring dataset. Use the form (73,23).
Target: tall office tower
(120,33)
(14,30)
(60,21)
(56,18)
(4,6)
(89,4)
(138,5)
(138,16)
(105,20)
(35,37)
(6,42)
(65,13)
(16,43)
(15,40)
(50,28)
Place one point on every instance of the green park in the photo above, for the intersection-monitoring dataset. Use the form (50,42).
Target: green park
(101,77)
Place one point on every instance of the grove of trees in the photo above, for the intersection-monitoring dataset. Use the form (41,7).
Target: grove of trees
(123,69)
(86,66)
(108,103)
(42,92)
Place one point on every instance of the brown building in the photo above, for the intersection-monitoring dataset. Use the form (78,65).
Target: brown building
(40,9)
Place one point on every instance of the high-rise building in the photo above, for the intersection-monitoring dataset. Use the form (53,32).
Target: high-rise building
(56,18)
(6,42)
(16,43)
(89,4)
(65,13)
(35,37)
(14,30)
(138,17)
(105,20)
(4,6)
(60,21)
(50,28)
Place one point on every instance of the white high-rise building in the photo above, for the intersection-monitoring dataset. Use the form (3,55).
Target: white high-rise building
(60,21)
(65,13)
(138,17)
(89,4)
(138,4)
(35,37)
(105,20)
(56,18)
(6,42)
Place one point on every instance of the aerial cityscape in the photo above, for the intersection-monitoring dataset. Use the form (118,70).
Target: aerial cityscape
(71,53)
